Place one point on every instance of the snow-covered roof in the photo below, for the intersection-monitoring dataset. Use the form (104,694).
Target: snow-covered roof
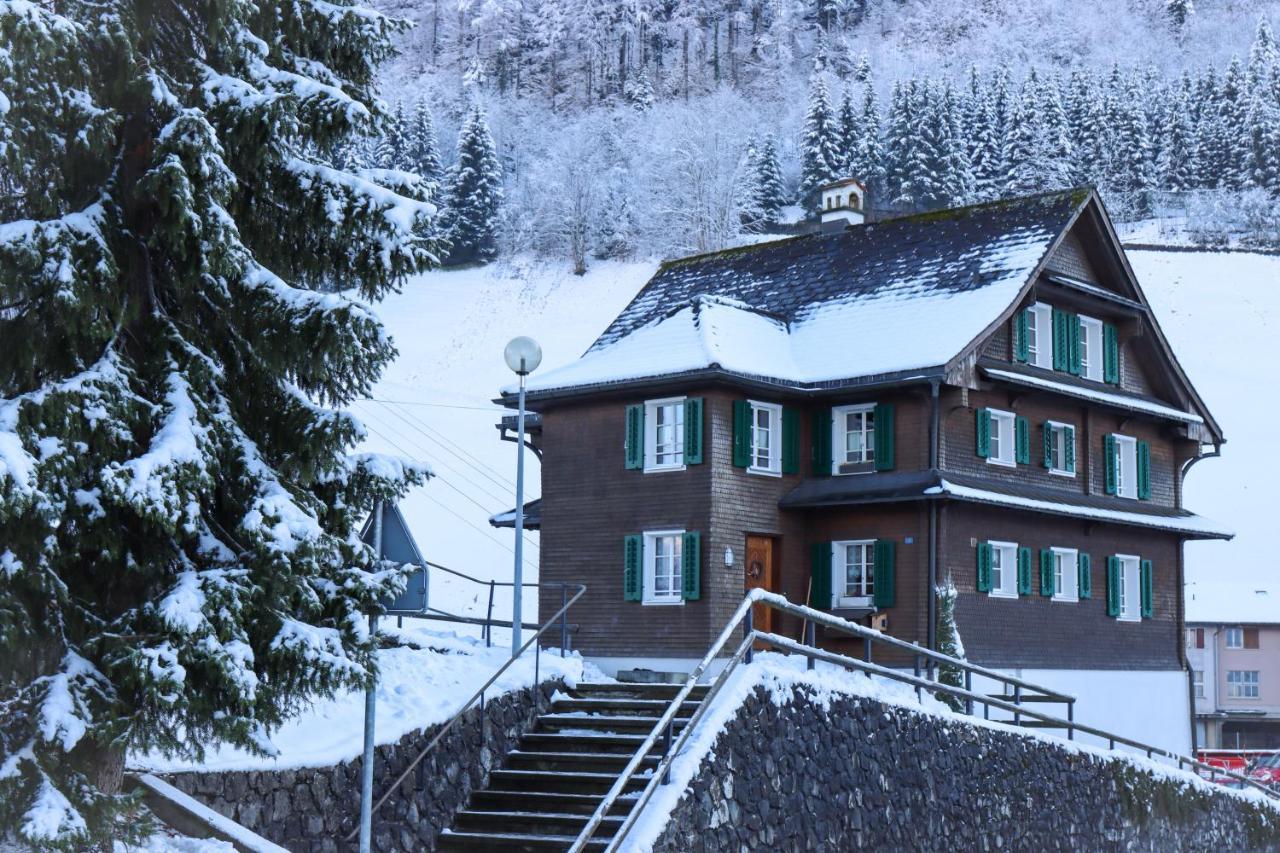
(1233,603)
(1131,402)
(885,299)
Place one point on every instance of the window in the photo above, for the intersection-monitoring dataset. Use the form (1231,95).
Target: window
(1002,440)
(1060,448)
(1066,577)
(1130,589)
(1197,682)
(1242,684)
(1040,335)
(1235,638)
(1195,638)
(662,567)
(1091,348)
(853,569)
(664,434)
(853,439)
(766,438)
(1126,466)
(1004,569)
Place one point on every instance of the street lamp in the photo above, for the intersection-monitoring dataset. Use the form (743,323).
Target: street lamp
(523,355)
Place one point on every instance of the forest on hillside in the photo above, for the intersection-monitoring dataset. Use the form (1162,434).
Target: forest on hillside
(604,130)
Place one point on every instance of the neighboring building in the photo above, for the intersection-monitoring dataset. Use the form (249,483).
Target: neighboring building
(851,418)
(1233,648)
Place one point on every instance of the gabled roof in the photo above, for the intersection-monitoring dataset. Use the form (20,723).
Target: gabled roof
(900,297)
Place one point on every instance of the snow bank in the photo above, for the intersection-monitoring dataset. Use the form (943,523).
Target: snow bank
(419,686)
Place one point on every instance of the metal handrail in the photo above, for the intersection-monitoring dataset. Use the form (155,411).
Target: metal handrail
(744,650)
(478,695)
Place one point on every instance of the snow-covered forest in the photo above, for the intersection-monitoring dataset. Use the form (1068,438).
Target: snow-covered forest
(629,130)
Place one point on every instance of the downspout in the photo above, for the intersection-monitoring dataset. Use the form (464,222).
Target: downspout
(934,423)
(1182,597)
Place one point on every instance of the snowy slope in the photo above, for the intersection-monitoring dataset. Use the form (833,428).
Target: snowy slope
(1221,312)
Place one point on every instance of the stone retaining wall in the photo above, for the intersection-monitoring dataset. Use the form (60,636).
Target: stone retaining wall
(313,809)
(863,774)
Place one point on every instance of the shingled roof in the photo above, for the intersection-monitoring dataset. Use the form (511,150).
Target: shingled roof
(885,299)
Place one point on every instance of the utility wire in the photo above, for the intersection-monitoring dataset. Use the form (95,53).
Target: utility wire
(453,448)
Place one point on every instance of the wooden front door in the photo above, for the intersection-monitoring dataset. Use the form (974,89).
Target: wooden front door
(761,571)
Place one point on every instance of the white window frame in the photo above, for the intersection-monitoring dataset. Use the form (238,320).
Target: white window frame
(1008,585)
(839,439)
(1234,633)
(838,566)
(651,595)
(1003,434)
(775,439)
(1236,688)
(1059,429)
(1130,588)
(1197,683)
(1041,319)
(1066,582)
(1091,349)
(651,408)
(1126,467)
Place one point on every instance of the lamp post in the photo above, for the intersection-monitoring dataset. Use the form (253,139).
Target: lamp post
(523,355)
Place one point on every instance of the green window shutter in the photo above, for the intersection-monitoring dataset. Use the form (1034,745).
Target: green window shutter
(790,441)
(693,431)
(741,433)
(1020,322)
(1069,448)
(820,450)
(1148,604)
(1110,355)
(983,443)
(1074,332)
(1109,463)
(820,585)
(1022,440)
(691,565)
(634,448)
(1048,444)
(885,570)
(632,572)
(1046,572)
(1061,352)
(884,436)
(1024,571)
(984,567)
(1113,586)
(1084,585)
(1144,470)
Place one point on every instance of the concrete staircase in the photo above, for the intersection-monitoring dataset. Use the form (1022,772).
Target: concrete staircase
(550,784)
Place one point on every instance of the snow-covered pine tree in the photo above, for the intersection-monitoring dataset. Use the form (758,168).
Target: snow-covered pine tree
(1208,133)
(958,185)
(976,131)
(1024,151)
(819,148)
(1264,144)
(393,148)
(906,157)
(1131,175)
(1232,145)
(949,642)
(848,135)
(1177,168)
(639,91)
(864,159)
(1264,55)
(179,503)
(475,193)
(1085,128)
(422,147)
(772,193)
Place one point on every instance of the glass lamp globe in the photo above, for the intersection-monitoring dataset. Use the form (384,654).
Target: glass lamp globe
(523,355)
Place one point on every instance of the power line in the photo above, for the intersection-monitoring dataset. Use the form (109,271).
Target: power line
(492,475)
(492,409)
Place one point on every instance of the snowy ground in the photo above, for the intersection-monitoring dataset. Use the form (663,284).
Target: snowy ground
(418,687)
(1219,309)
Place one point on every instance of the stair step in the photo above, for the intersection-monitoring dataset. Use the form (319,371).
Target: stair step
(541,801)
(639,691)
(602,762)
(507,841)
(611,705)
(552,781)
(582,742)
(605,722)
(533,823)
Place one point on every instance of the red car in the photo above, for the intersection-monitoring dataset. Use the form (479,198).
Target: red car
(1266,770)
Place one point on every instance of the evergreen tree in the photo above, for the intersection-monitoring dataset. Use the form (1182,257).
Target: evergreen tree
(393,149)
(1179,11)
(1037,151)
(1209,135)
(1086,128)
(864,157)
(1232,145)
(949,642)
(1177,164)
(978,134)
(1263,57)
(820,152)
(475,193)
(1132,167)
(1264,145)
(771,196)
(640,91)
(423,149)
(848,134)
(179,504)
